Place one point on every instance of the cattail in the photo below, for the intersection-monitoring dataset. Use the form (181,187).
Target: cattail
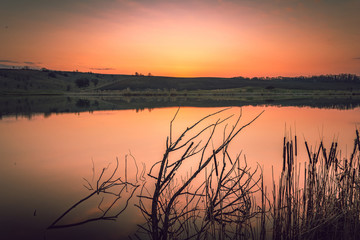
(284,155)
(288,153)
(336,165)
(308,151)
(325,157)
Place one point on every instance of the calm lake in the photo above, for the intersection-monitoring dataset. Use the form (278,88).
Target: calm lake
(45,158)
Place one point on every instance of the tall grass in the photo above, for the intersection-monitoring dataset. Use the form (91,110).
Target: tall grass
(326,203)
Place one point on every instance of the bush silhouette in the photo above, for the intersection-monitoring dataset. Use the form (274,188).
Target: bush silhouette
(82,82)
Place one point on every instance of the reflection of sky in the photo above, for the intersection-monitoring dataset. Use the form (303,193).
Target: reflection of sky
(43,160)
(183,38)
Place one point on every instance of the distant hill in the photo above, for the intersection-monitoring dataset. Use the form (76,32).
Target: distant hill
(27,81)
(346,82)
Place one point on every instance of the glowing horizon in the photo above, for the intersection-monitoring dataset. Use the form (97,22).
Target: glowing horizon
(189,39)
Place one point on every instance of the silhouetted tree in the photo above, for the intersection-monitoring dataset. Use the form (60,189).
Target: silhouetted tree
(83,103)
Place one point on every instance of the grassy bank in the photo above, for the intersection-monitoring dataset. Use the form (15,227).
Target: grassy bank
(38,82)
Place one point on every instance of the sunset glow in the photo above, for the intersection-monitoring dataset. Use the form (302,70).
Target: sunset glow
(222,38)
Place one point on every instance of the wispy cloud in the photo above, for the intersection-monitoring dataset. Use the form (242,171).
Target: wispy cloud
(8,61)
(103,69)
(8,66)
(30,63)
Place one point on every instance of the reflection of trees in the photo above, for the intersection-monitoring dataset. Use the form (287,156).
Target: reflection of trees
(83,103)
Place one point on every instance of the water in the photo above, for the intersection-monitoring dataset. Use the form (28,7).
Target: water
(45,158)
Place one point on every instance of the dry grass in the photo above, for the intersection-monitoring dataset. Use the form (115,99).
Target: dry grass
(326,204)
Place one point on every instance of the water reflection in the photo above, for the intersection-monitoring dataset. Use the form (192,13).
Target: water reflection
(43,160)
(29,106)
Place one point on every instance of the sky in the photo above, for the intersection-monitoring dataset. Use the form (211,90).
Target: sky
(183,38)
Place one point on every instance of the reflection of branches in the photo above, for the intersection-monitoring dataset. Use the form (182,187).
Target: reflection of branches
(113,186)
(227,202)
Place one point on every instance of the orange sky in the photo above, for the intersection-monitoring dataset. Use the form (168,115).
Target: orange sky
(183,38)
